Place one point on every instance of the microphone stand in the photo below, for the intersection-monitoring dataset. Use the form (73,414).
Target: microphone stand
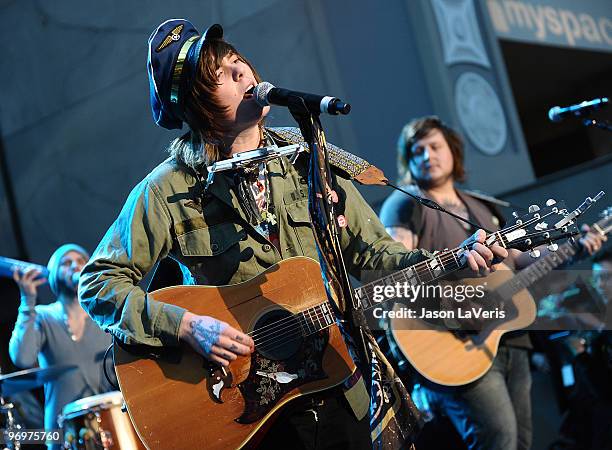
(323,217)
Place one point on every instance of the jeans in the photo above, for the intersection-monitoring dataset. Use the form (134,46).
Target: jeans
(327,424)
(494,412)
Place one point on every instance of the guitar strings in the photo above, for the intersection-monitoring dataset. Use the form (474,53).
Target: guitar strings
(259,333)
(274,338)
(290,318)
(317,311)
(277,342)
(420,273)
(281,325)
(294,317)
(288,334)
(450,254)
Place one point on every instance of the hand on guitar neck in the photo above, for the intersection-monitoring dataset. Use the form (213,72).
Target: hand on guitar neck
(480,258)
(592,240)
(215,340)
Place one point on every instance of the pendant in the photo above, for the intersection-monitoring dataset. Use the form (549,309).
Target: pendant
(269,217)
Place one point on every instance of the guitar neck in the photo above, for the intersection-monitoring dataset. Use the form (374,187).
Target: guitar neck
(548,263)
(425,272)
(8,266)
(537,270)
(316,318)
(449,261)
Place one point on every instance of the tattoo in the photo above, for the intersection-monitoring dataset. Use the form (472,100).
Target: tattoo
(233,347)
(207,336)
(227,356)
(238,338)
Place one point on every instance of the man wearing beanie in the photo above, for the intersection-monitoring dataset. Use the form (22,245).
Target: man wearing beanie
(59,333)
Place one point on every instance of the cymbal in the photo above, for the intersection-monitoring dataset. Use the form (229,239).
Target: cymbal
(24,380)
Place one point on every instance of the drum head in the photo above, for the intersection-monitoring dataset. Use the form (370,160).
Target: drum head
(100,401)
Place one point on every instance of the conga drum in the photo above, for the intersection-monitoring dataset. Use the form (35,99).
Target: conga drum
(98,422)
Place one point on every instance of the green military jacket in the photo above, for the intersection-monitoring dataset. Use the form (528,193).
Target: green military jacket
(214,243)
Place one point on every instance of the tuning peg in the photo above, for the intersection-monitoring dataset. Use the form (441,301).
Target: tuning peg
(534,253)
(541,226)
(551,201)
(527,241)
(534,208)
(515,214)
(553,247)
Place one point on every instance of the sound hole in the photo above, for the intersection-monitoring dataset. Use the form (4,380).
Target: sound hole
(278,334)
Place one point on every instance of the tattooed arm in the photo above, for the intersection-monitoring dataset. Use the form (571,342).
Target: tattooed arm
(214,339)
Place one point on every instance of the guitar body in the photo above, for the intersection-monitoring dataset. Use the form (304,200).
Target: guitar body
(444,358)
(178,400)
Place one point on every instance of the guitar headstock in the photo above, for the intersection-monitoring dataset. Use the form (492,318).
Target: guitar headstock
(540,226)
(604,225)
(543,226)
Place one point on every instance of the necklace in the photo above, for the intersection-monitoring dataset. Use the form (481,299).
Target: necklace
(261,192)
(68,329)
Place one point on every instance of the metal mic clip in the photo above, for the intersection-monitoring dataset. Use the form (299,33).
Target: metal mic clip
(258,155)
(252,157)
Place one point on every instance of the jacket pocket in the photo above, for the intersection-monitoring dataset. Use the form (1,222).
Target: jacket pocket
(299,222)
(210,241)
(216,255)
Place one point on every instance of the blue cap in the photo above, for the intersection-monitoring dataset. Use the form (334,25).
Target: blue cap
(54,263)
(174,50)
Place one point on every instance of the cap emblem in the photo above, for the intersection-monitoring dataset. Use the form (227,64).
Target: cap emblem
(173,36)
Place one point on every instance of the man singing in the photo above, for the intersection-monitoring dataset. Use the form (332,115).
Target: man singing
(60,333)
(230,231)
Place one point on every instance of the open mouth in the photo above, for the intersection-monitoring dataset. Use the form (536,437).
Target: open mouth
(249,93)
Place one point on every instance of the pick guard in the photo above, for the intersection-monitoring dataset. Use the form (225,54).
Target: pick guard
(261,393)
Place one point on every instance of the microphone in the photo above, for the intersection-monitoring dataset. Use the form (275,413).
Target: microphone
(557,113)
(266,94)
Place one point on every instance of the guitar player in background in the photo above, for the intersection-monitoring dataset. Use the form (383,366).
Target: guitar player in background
(242,224)
(60,333)
(493,412)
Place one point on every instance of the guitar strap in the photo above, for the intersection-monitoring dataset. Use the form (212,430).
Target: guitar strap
(349,165)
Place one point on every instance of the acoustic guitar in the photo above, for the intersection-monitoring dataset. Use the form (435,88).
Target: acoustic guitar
(454,359)
(179,400)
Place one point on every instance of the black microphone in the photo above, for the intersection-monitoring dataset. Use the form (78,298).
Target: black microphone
(557,113)
(266,94)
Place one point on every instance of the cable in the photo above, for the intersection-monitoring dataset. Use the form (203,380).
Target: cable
(433,205)
(106,375)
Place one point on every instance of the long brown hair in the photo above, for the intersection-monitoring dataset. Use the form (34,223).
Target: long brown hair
(202,144)
(419,128)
